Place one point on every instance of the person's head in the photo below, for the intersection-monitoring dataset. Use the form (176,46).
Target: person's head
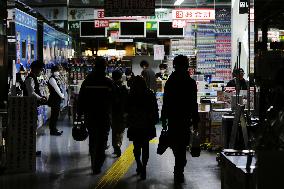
(128,73)
(37,67)
(138,85)
(144,64)
(117,76)
(100,64)
(55,70)
(181,63)
(239,73)
(163,67)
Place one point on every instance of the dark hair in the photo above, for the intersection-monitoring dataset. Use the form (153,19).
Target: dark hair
(237,71)
(37,64)
(144,63)
(54,68)
(116,75)
(138,85)
(100,64)
(181,62)
(163,66)
(128,72)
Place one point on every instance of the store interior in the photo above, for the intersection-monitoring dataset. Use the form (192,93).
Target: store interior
(237,128)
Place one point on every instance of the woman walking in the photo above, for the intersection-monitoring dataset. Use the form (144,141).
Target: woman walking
(143,115)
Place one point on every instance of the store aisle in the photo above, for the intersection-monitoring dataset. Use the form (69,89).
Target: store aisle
(65,163)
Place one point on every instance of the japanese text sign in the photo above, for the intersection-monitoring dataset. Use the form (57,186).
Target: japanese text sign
(101,23)
(129,8)
(179,23)
(193,14)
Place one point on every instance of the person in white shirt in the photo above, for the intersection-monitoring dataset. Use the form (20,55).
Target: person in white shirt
(54,100)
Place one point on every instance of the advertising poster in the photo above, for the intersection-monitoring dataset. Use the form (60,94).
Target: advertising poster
(26,39)
(55,45)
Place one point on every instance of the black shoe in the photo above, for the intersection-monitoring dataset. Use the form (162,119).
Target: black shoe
(56,133)
(143,173)
(117,152)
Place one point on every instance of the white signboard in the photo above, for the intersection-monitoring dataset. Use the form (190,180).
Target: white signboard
(179,23)
(159,52)
(80,14)
(193,14)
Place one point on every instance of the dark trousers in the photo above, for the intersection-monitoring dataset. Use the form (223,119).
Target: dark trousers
(179,151)
(98,136)
(117,132)
(54,118)
(138,146)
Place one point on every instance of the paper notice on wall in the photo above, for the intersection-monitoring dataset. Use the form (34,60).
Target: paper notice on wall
(159,52)
(14,71)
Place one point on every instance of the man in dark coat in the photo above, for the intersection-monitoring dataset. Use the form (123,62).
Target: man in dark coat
(95,102)
(149,75)
(180,112)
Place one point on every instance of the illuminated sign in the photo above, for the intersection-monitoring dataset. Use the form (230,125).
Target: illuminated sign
(193,14)
(179,23)
(101,23)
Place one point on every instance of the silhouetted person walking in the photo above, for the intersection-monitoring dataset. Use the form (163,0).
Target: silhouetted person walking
(180,112)
(95,102)
(118,112)
(149,75)
(54,100)
(143,114)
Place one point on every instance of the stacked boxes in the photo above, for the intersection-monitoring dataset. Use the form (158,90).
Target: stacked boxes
(21,143)
(204,126)
(216,127)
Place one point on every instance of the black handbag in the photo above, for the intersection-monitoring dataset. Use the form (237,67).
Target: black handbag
(79,131)
(163,142)
(195,145)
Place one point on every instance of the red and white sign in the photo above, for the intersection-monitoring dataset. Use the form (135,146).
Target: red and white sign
(193,14)
(179,23)
(101,23)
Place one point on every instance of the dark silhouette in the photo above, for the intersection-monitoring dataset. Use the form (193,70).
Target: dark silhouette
(238,74)
(180,112)
(95,102)
(143,114)
(118,112)
(149,75)
(31,82)
(54,100)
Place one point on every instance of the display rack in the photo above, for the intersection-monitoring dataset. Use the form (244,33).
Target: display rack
(223,43)
(183,46)
(206,48)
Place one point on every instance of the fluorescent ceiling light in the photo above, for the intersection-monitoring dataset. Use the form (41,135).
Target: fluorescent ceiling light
(178,2)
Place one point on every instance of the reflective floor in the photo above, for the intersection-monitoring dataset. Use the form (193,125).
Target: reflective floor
(65,163)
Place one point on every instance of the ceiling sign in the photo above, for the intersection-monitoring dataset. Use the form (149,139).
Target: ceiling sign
(179,23)
(243,7)
(101,23)
(193,14)
(129,8)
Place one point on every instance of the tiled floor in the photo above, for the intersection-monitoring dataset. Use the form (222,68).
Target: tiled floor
(65,163)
